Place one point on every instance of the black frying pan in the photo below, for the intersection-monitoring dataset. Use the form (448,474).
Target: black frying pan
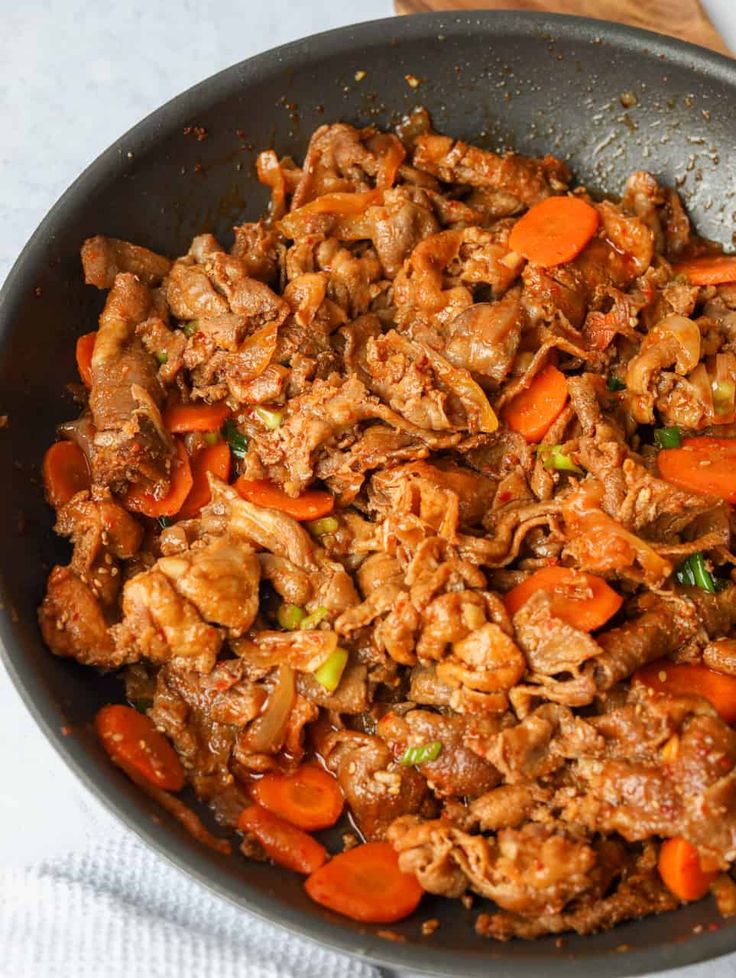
(537,83)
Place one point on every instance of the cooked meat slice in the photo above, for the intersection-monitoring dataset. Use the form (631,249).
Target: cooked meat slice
(551,645)
(532,870)
(104,258)
(73,625)
(162,625)
(484,338)
(102,533)
(505,807)
(130,442)
(650,636)
(336,161)
(400,222)
(376,788)
(256,245)
(269,528)
(247,297)
(640,892)
(456,771)
(288,580)
(166,345)
(528,180)
(190,294)
(220,579)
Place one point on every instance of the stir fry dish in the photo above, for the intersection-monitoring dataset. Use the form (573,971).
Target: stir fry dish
(411,513)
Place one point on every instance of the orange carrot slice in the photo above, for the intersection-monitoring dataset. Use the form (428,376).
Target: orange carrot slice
(284,843)
(554,231)
(140,500)
(533,411)
(680,869)
(704,465)
(195,417)
(708,270)
(309,506)
(65,472)
(308,797)
(584,601)
(691,679)
(135,745)
(214,459)
(365,883)
(85,349)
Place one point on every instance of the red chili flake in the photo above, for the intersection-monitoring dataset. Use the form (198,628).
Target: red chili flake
(65,731)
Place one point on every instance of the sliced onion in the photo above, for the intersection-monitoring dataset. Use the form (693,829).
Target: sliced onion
(267,732)
(723,387)
(686,335)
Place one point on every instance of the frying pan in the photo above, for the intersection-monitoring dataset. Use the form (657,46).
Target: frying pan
(609,99)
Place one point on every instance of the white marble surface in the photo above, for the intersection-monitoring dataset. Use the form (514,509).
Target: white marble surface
(74,76)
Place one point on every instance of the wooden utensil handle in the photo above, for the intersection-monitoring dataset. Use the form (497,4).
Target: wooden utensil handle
(684,19)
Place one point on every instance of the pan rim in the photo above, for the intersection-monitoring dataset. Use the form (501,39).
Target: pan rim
(116,794)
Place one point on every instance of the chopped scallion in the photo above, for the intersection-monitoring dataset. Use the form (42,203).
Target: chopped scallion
(211,437)
(328,524)
(615,383)
(163,522)
(554,458)
(723,396)
(421,754)
(694,573)
(162,356)
(271,419)
(290,616)
(668,437)
(236,439)
(189,329)
(314,619)
(330,672)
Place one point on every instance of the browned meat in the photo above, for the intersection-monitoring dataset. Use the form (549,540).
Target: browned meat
(130,441)
(358,360)
(377,789)
(104,258)
(527,180)
(73,625)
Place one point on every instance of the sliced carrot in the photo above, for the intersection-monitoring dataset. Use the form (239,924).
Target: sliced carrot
(65,472)
(680,869)
(139,500)
(582,600)
(533,411)
(708,270)
(85,349)
(309,506)
(284,843)
(308,797)
(135,745)
(691,679)
(704,465)
(554,231)
(365,883)
(214,459)
(195,417)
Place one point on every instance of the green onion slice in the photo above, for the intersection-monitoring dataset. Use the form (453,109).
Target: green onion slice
(330,672)
(694,573)
(615,383)
(211,437)
(668,437)
(724,392)
(421,754)
(328,524)
(271,419)
(236,439)
(162,356)
(554,458)
(314,619)
(290,616)
(189,329)
(164,521)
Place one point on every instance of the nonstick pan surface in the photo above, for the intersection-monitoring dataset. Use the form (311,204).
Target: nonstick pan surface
(608,99)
